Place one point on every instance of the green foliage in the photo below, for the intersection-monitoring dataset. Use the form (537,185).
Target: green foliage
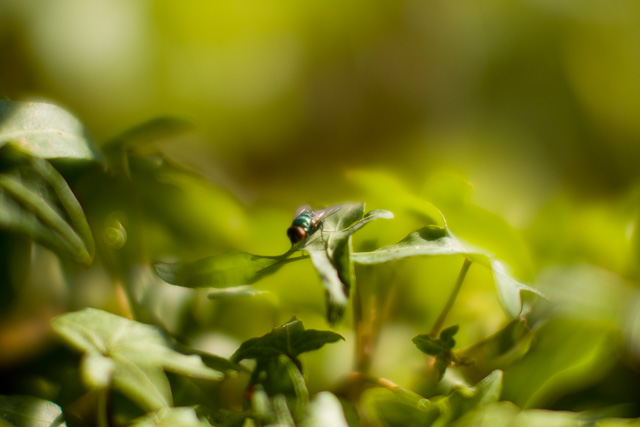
(397,407)
(175,357)
(36,200)
(290,339)
(441,349)
(277,382)
(330,256)
(434,240)
(227,269)
(167,417)
(128,356)
(20,411)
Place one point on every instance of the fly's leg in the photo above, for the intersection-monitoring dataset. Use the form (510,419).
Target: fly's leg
(321,227)
(322,233)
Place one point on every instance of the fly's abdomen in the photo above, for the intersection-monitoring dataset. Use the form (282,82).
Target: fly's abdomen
(301,227)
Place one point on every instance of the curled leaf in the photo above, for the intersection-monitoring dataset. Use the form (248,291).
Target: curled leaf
(36,200)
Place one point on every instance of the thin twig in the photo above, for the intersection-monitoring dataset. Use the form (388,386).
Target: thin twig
(358,327)
(437,327)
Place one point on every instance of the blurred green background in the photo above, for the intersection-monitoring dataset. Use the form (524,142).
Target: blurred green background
(523,97)
(536,103)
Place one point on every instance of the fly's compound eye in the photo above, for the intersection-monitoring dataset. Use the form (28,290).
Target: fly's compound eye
(296,234)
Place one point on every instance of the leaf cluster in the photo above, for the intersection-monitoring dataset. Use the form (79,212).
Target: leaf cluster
(441,349)
(114,211)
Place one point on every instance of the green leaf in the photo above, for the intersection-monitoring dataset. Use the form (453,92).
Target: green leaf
(20,411)
(429,345)
(129,356)
(36,200)
(386,190)
(403,407)
(290,339)
(332,256)
(169,417)
(278,390)
(509,289)
(447,336)
(329,249)
(440,348)
(398,407)
(583,354)
(224,270)
(434,240)
(475,225)
(45,131)
(499,414)
(217,363)
(278,372)
(465,399)
(428,241)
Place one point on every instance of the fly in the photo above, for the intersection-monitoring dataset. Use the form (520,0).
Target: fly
(306,222)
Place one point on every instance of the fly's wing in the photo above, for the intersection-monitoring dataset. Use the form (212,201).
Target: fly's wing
(323,213)
(302,209)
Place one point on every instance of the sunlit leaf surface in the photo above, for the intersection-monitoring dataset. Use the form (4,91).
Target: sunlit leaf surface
(325,410)
(434,240)
(224,270)
(28,411)
(44,130)
(403,407)
(129,356)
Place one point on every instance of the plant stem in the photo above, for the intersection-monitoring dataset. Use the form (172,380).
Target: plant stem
(102,409)
(358,327)
(437,327)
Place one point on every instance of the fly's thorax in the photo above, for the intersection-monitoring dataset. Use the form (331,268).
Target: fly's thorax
(305,221)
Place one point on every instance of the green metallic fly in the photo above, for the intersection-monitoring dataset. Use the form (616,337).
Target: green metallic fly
(307,221)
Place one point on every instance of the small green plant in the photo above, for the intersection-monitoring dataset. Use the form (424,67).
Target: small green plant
(113,213)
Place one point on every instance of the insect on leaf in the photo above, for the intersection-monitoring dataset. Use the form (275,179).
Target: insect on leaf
(329,249)
(331,255)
